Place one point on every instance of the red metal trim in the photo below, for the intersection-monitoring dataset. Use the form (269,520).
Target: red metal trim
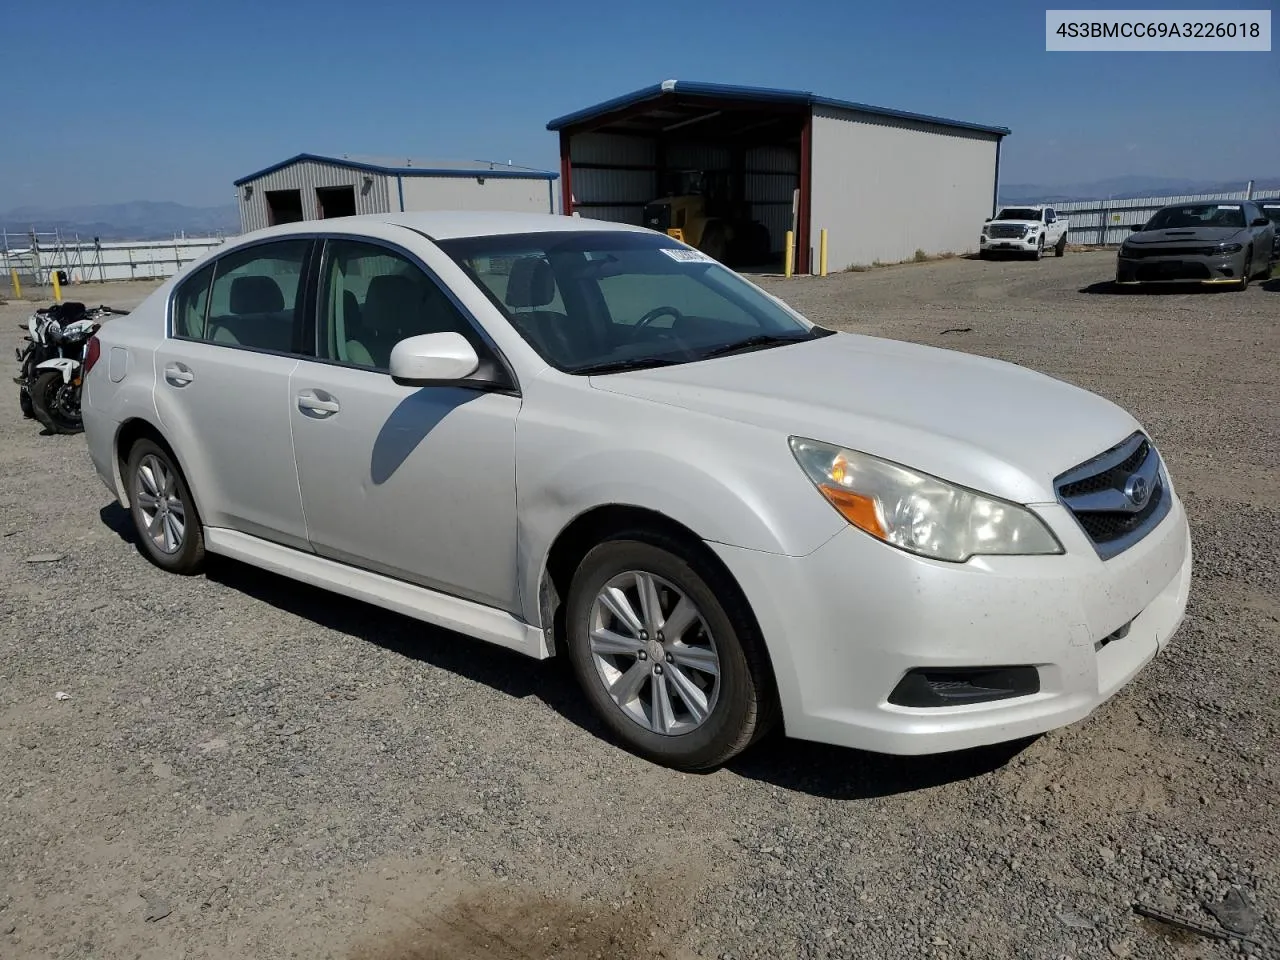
(804,241)
(566,176)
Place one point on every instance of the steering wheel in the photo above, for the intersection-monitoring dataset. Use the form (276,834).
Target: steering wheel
(654,314)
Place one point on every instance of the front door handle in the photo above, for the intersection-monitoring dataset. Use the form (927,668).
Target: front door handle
(316,403)
(178,374)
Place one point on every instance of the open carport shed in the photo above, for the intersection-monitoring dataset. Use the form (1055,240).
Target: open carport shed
(883,183)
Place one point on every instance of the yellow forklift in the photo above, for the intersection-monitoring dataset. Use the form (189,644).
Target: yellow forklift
(698,210)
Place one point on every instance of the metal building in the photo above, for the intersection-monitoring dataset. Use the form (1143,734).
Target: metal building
(883,183)
(311,187)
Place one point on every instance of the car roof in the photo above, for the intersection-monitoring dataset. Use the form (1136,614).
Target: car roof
(452,224)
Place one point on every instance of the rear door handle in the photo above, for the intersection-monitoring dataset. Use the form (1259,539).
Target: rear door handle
(178,374)
(316,403)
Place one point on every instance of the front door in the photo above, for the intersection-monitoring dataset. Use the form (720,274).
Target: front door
(222,387)
(414,483)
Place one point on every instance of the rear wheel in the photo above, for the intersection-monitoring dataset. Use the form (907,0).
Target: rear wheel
(55,403)
(169,531)
(666,652)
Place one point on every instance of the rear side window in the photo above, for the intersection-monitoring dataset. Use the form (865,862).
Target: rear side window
(372,298)
(191,304)
(254,300)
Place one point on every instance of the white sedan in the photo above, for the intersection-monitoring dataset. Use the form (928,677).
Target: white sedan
(560,435)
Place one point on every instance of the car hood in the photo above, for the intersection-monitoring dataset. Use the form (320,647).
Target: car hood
(1184,234)
(1014,223)
(985,424)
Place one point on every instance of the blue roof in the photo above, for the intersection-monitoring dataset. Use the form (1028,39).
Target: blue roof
(762,95)
(412,168)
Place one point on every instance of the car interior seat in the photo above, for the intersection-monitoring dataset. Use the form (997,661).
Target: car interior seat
(531,285)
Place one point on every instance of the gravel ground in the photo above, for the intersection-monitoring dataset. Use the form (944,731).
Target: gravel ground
(247,767)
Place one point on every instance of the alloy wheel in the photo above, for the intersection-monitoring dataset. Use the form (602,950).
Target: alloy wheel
(654,654)
(162,509)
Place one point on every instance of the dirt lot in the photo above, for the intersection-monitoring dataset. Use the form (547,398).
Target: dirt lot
(251,768)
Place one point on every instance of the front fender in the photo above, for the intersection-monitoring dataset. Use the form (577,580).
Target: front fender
(728,482)
(66,365)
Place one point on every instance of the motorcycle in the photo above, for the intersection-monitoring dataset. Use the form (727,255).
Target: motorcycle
(50,364)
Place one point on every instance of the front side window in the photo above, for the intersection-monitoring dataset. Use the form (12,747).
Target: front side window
(1198,215)
(255,300)
(1271,211)
(372,298)
(595,301)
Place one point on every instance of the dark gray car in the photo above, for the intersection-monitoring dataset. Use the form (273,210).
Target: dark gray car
(1210,243)
(1271,210)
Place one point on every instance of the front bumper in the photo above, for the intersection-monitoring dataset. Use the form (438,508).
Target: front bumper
(1009,244)
(1181,268)
(846,623)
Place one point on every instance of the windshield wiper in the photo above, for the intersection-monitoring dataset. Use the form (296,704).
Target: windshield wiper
(618,366)
(758,342)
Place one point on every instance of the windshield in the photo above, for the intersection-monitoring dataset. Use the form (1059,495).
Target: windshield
(1197,215)
(1018,213)
(596,301)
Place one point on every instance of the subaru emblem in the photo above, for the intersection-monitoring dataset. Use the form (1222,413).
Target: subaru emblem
(1137,490)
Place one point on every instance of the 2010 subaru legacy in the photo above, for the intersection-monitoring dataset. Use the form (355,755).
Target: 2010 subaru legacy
(556,434)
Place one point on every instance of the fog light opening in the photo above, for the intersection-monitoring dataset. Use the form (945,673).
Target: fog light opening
(953,686)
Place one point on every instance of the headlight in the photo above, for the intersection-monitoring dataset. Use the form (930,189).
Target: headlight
(1230,248)
(917,512)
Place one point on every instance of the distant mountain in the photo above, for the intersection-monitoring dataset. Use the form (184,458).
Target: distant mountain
(138,220)
(1126,188)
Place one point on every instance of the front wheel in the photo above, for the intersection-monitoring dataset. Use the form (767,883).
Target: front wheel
(1247,275)
(1039,249)
(1060,248)
(667,654)
(56,404)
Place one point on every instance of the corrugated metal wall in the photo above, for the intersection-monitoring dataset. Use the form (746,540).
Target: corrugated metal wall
(1108,221)
(467,193)
(884,188)
(772,176)
(618,191)
(305,176)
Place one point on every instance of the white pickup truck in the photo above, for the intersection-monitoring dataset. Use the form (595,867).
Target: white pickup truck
(1024,230)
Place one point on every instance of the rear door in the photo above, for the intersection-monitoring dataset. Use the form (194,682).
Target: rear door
(416,483)
(222,387)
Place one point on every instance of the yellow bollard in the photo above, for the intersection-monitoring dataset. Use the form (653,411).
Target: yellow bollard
(17,285)
(57,287)
(822,253)
(789,255)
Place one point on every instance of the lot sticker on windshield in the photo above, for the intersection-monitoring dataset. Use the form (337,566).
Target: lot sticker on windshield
(686,256)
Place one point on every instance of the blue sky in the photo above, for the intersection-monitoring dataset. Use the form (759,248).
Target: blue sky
(172,101)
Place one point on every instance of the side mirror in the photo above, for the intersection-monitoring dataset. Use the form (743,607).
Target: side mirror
(1260,222)
(433,359)
(988,220)
(1136,227)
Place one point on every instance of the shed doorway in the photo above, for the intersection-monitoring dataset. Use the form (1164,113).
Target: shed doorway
(336,202)
(284,206)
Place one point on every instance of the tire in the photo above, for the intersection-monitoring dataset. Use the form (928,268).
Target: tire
(1247,274)
(984,255)
(1039,249)
(714,244)
(165,487)
(1060,248)
(737,699)
(47,408)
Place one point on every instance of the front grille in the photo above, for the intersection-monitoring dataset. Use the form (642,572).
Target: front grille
(1005,231)
(1142,253)
(1118,497)
(1173,270)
